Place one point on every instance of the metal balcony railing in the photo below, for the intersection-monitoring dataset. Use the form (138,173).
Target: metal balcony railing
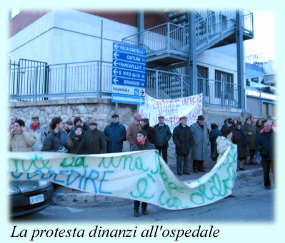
(172,38)
(162,38)
(94,79)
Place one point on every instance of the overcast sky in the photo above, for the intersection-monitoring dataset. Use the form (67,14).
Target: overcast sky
(264,36)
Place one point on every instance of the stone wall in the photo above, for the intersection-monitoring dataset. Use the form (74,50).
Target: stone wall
(101,110)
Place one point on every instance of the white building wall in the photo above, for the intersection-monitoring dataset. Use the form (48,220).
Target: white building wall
(74,36)
(67,36)
(222,58)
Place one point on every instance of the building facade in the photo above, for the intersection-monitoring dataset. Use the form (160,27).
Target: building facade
(59,55)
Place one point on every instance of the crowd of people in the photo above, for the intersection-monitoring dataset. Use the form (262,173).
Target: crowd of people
(254,140)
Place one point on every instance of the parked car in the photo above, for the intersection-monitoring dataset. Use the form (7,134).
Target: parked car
(28,197)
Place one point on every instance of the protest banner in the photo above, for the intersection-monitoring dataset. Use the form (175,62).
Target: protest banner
(172,109)
(141,175)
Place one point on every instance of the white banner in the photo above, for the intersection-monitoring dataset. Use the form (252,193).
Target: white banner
(142,176)
(172,109)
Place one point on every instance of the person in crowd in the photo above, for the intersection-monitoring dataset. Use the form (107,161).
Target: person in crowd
(12,122)
(201,144)
(224,141)
(235,123)
(214,134)
(183,140)
(115,134)
(162,134)
(142,143)
(76,122)
(262,129)
(67,127)
(228,123)
(149,130)
(38,132)
(133,129)
(240,140)
(56,140)
(274,127)
(21,138)
(251,119)
(78,139)
(95,142)
(265,145)
(86,124)
(259,125)
(250,133)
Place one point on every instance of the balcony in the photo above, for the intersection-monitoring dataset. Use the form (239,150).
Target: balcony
(169,43)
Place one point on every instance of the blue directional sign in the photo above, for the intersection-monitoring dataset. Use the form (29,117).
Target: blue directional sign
(128,99)
(128,70)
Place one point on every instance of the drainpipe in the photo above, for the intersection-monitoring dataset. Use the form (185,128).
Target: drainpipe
(140,24)
(240,58)
(192,62)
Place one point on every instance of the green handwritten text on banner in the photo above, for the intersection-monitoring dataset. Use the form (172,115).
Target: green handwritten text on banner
(141,175)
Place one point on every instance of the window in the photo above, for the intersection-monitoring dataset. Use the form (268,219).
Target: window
(256,80)
(226,81)
(223,20)
(203,79)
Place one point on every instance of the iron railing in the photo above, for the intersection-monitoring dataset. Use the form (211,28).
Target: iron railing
(82,80)
(172,38)
(161,38)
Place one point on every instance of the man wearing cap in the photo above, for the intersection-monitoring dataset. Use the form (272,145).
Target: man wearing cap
(38,132)
(149,130)
(115,134)
(95,142)
(201,144)
(162,135)
(133,129)
(183,139)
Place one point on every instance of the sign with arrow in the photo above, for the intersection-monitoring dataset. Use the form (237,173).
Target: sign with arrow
(128,70)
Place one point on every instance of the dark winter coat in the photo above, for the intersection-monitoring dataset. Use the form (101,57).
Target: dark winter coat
(56,142)
(265,144)
(258,129)
(240,140)
(183,139)
(214,134)
(77,146)
(95,142)
(150,133)
(115,134)
(65,138)
(250,138)
(201,145)
(162,135)
(146,146)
